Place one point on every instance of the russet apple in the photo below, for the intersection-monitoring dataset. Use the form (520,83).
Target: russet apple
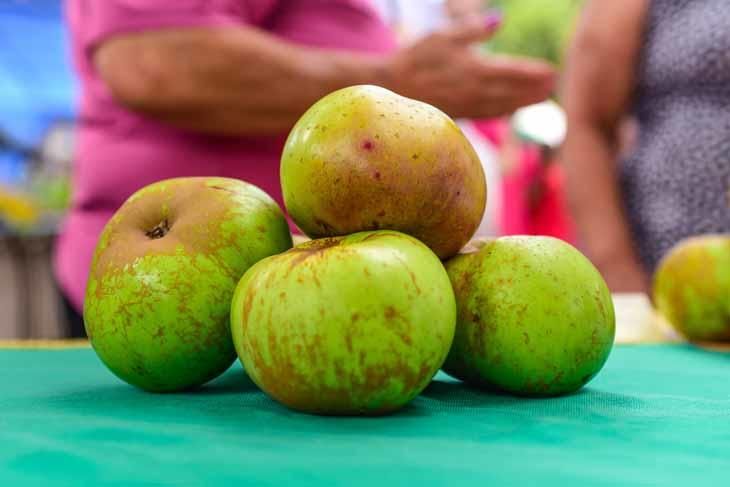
(364,158)
(345,325)
(535,317)
(163,275)
(692,287)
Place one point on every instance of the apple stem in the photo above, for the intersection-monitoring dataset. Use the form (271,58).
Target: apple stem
(159,231)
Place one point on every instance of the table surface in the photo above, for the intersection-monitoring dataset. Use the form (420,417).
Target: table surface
(656,415)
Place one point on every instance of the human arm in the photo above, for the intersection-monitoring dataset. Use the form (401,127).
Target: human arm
(244,81)
(599,83)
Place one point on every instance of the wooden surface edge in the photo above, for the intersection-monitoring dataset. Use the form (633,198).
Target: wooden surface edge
(43,344)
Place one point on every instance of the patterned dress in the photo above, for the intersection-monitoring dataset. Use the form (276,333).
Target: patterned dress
(676,183)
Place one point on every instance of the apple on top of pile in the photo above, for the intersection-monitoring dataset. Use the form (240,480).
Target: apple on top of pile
(192,272)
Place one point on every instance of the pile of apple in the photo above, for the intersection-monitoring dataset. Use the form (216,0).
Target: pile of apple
(190,272)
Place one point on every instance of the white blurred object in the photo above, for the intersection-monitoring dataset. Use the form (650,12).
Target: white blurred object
(637,322)
(488,156)
(412,19)
(543,123)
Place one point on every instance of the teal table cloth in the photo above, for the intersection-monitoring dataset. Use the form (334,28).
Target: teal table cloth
(656,415)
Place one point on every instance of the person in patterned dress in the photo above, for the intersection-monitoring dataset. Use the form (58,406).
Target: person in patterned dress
(663,64)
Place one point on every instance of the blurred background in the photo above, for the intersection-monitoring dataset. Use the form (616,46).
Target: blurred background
(37,116)
(36,147)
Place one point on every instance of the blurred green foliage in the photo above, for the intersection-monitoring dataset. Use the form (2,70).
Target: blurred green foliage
(53,194)
(535,28)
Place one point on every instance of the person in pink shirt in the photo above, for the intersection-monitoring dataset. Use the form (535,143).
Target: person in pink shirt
(173,88)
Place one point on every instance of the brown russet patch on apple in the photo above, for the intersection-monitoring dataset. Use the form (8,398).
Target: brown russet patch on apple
(139,368)
(248,303)
(282,379)
(311,249)
(272,342)
(463,284)
(182,210)
(479,334)
(325,229)
(594,337)
(221,188)
(317,245)
(408,270)
(542,386)
(348,341)
(468,316)
(519,310)
(599,303)
(316,280)
(390,313)
(381,234)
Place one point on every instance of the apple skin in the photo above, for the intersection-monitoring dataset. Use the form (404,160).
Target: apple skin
(382,161)
(535,318)
(354,325)
(163,275)
(692,287)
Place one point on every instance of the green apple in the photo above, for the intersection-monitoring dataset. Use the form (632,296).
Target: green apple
(535,317)
(692,287)
(163,275)
(382,161)
(345,325)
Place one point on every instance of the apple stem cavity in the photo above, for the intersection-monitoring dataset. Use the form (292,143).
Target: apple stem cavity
(159,231)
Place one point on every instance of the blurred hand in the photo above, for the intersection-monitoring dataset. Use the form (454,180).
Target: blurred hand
(445,70)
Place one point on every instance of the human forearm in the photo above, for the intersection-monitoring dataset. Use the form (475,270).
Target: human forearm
(229,81)
(595,200)
(243,81)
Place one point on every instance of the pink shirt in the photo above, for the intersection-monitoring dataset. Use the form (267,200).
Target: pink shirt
(119,151)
